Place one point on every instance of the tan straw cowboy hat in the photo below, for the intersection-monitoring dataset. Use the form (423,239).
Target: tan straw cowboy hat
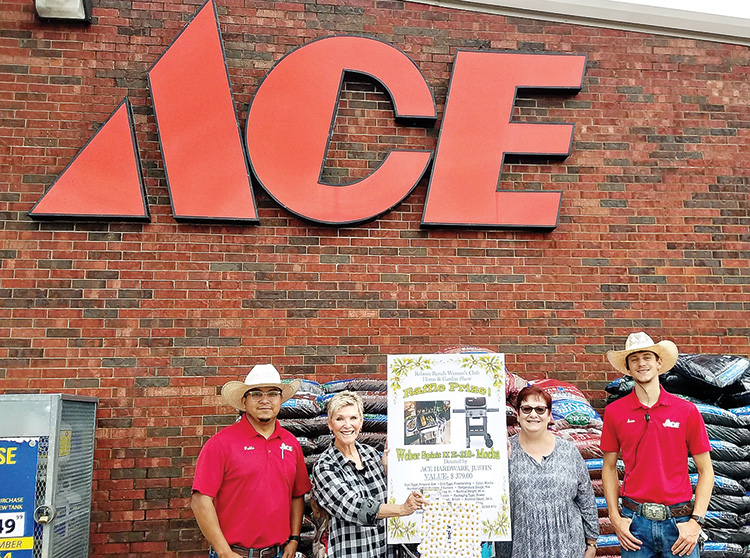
(638,342)
(262,375)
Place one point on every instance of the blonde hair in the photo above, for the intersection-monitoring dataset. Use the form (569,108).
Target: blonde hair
(343,399)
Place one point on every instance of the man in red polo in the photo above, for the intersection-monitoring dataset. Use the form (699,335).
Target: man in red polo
(250,480)
(655,431)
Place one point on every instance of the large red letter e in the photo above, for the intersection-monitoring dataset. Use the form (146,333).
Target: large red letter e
(477,131)
(289,123)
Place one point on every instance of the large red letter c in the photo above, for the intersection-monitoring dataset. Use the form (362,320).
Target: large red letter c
(290,119)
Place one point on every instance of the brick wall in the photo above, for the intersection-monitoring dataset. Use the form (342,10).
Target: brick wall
(154,318)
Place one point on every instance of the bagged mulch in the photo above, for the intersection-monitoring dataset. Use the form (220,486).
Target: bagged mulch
(355,384)
(714,370)
(723,550)
(723,520)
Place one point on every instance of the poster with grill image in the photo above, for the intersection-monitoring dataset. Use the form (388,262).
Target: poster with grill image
(447,439)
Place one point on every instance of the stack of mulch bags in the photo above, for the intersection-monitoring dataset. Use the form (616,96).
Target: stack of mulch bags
(304,415)
(574,419)
(719,385)
(374,394)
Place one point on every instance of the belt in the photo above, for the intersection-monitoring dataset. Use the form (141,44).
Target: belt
(658,512)
(268,552)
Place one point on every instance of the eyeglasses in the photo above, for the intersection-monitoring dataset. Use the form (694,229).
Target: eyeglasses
(257,395)
(540,410)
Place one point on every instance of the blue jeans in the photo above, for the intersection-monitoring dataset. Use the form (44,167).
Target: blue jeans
(657,537)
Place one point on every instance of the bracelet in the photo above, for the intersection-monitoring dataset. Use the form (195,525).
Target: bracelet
(294,538)
(592,544)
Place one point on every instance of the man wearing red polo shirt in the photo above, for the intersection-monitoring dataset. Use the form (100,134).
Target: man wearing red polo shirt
(655,431)
(250,479)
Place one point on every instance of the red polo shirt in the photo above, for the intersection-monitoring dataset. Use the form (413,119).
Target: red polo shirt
(655,452)
(252,481)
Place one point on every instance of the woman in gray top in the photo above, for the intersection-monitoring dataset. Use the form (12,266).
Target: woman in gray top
(552,505)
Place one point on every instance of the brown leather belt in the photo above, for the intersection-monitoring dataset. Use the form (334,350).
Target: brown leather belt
(268,552)
(658,512)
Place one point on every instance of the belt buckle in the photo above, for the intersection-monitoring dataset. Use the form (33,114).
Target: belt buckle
(268,552)
(654,512)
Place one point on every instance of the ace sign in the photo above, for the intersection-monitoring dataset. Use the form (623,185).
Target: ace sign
(211,165)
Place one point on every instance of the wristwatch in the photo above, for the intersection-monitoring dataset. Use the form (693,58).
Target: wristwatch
(699,519)
(593,544)
(294,538)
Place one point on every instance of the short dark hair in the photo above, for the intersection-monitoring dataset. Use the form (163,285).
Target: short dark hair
(533,391)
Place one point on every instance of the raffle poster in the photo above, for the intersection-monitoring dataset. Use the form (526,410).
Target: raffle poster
(447,438)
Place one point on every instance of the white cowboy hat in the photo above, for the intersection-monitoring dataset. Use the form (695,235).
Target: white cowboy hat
(638,342)
(262,375)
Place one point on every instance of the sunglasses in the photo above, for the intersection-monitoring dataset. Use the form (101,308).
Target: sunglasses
(540,410)
(257,395)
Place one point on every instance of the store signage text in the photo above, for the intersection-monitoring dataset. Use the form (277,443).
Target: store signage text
(208,161)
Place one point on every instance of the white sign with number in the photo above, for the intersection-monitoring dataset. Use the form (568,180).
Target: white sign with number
(12,524)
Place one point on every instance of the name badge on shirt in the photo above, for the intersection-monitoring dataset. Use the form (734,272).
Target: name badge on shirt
(283,448)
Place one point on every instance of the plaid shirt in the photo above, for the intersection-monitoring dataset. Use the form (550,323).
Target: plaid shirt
(352,499)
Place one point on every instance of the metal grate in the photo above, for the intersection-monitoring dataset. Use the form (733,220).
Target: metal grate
(41,490)
(70,533)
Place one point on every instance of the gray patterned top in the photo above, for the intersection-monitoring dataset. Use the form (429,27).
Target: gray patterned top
(552,504)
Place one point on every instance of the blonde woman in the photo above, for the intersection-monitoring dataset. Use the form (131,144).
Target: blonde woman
(349,483)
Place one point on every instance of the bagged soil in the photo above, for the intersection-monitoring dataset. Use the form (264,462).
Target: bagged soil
(586,441)
(513,385)
(740,535)
(373,402)
(511,415)
(741,411)
(375,423)
(571,413)
(307,387)
(714,370)
(620,387)
(736,470)
(736,395)
(721,417)
(300,407)
(727,451)
(723,520)
(307,427)
(714,549)
(739,436)
(725,502)
(684,385)
(722,485)
(355,384)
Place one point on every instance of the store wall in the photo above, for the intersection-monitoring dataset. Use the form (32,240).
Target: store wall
(152,318)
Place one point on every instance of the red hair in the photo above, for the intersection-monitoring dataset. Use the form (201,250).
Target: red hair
(533,391)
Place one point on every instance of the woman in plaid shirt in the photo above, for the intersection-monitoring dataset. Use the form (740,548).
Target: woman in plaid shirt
(349,483)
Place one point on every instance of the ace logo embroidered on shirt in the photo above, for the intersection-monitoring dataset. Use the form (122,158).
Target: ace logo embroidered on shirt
(284,447)
(671,424)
